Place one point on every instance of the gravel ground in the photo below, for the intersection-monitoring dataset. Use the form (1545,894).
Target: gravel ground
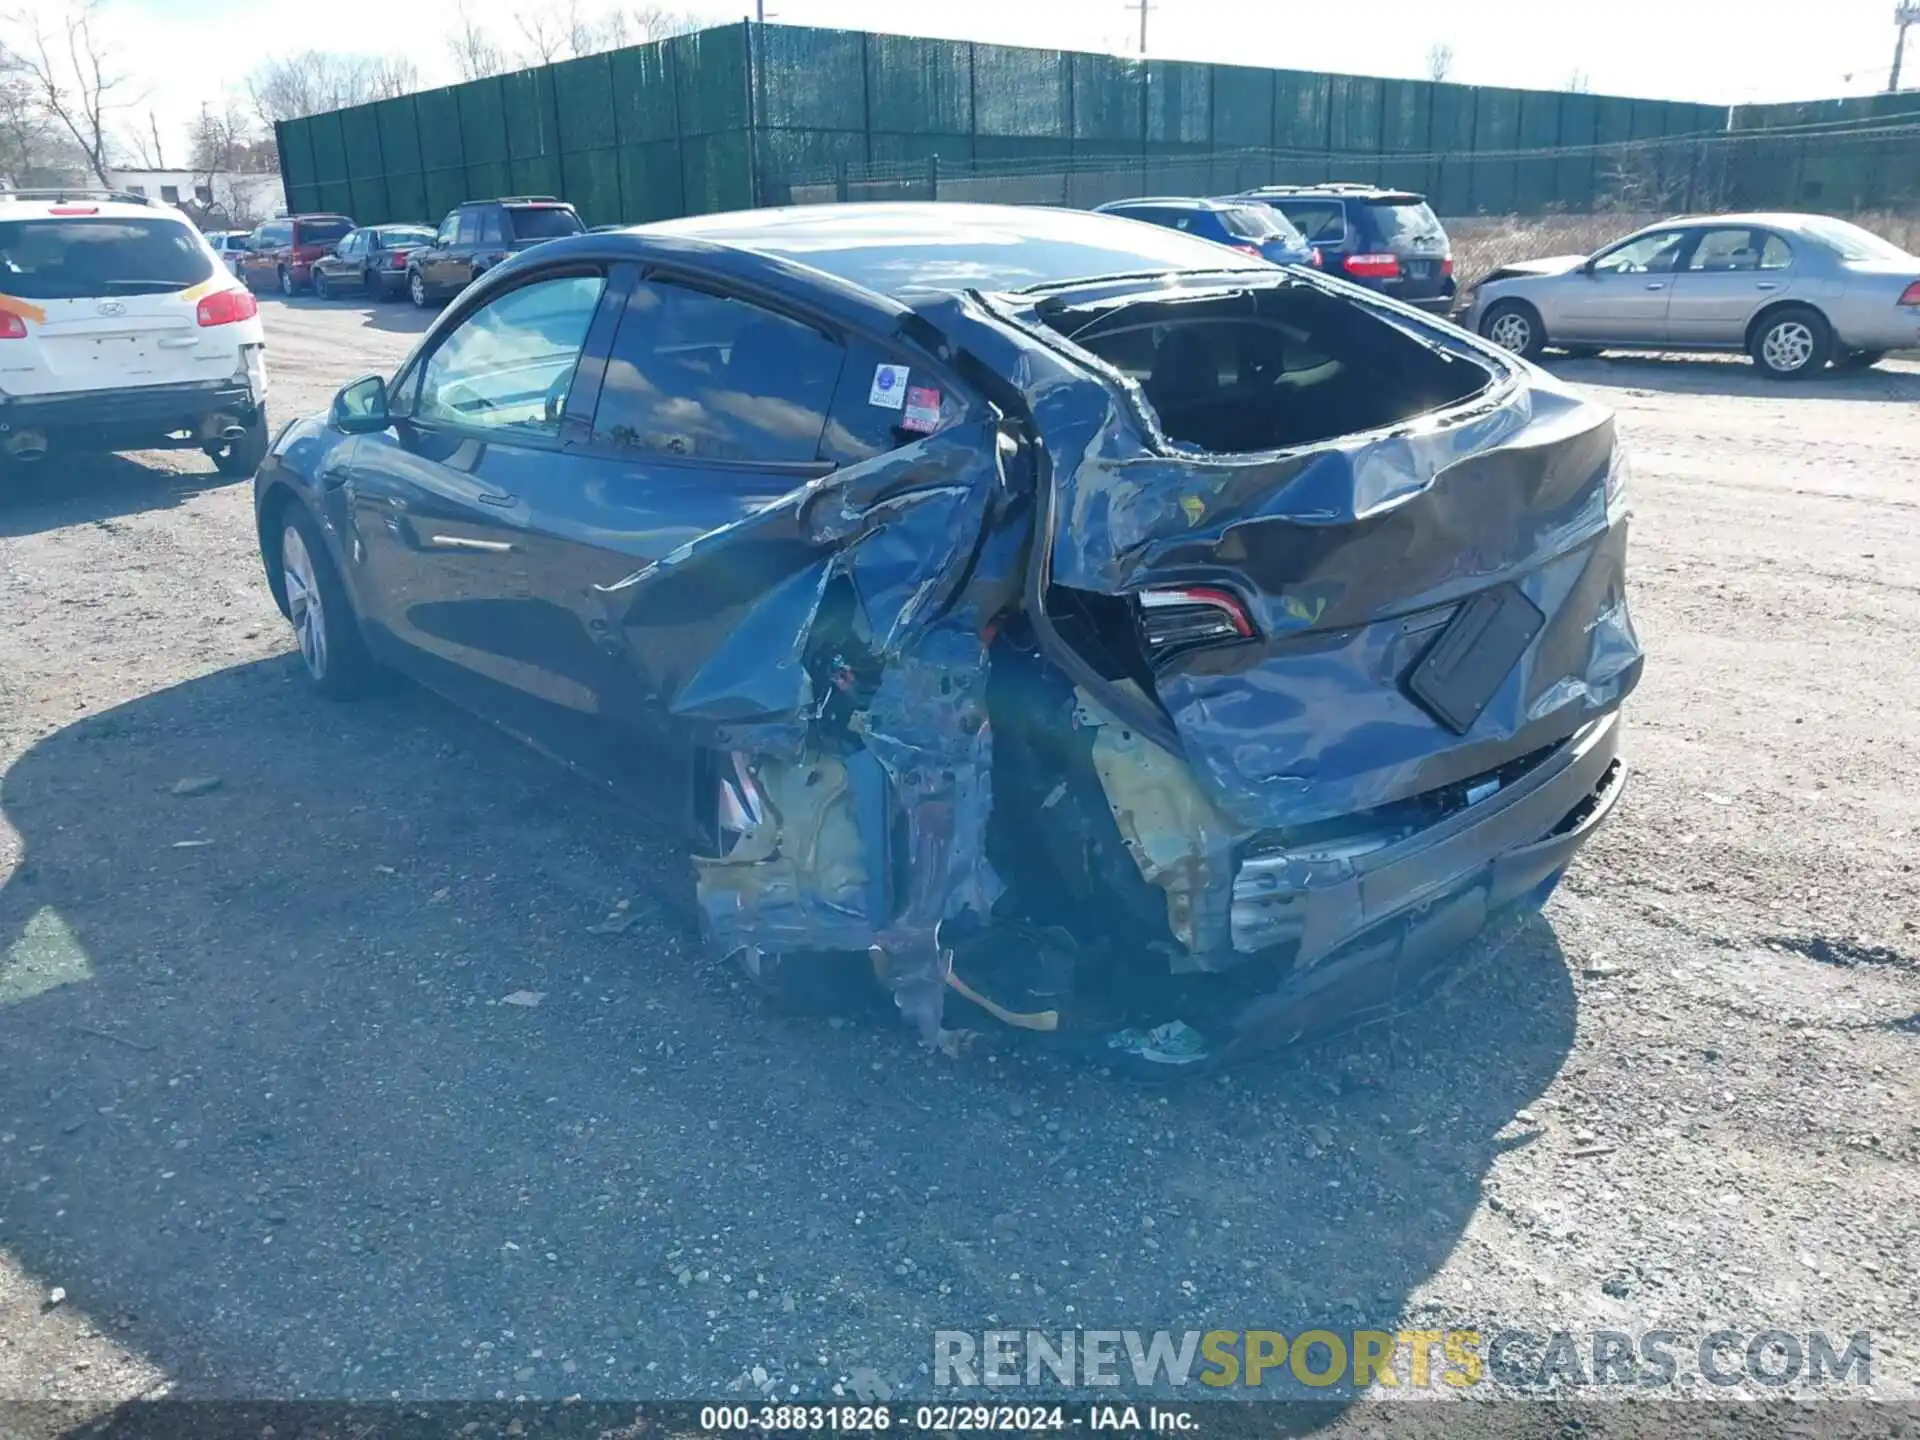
(267,1124)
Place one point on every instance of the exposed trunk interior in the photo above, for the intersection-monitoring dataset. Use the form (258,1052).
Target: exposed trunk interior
(1269,369)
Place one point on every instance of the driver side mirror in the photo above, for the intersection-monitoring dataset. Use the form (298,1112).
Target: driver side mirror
(361,408)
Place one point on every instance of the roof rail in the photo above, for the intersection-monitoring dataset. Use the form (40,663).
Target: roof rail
(519,200)
(76,192)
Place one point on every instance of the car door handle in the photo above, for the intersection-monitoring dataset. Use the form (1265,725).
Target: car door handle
(503,502)
(1657,285)
(1766,285)
(468,542)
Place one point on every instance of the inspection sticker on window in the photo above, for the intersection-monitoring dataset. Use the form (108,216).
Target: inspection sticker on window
(889,389)
(922,410)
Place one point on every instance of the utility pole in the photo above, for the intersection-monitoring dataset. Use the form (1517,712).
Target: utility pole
(1906,13)
(1143,6)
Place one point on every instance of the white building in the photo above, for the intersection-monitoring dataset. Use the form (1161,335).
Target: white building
(229,202)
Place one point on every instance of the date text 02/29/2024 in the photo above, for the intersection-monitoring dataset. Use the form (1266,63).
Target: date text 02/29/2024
(942,1419)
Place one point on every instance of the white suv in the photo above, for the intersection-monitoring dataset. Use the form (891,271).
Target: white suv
(121,330)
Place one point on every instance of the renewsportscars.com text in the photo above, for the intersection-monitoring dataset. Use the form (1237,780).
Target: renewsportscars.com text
(1415,1360)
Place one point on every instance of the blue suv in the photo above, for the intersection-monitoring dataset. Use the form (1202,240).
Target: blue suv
(1249,228)
(1386,240)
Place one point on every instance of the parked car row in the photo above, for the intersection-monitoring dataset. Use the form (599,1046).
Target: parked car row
(329,254)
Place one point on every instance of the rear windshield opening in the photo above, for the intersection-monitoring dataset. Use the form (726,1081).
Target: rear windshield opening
(1271,369)
(543,222)
(73,259)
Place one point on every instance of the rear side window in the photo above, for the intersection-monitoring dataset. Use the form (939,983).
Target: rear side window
(490,231)
(709,377)
(915,403)
(1403,222)
(1323,222)
(542,222)
(71,259)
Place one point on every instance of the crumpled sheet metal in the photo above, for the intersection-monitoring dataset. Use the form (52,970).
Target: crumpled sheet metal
(901,527)
(929,539)
(1351,556)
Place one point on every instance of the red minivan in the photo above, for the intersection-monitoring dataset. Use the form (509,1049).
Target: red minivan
(281,252)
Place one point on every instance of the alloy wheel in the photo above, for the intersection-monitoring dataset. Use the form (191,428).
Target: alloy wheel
(304,606)
(1511,331)
(1788,346)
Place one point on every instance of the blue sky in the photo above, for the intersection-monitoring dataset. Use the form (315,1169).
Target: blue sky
(1722,51)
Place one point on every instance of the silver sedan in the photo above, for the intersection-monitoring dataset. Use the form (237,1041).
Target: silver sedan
(1793,291)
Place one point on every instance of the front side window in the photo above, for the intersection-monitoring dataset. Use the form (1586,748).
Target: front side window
(508,365)
(352,245)
(449,230)
(72,258)
(1653,254)
(712,378)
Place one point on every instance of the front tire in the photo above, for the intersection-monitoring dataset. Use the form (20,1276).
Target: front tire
(324,628)
(1515,325)
(1792,343)
(320,289)
(1857,360)
(239,459)
(417,290)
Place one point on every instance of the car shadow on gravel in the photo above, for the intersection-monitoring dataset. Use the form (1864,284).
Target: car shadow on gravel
(1735,376)
(355,1050)
(67,490)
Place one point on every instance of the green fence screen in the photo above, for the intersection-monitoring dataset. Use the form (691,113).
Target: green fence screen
(748,114)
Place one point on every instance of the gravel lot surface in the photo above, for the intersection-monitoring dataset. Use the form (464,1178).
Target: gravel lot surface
(267,1125)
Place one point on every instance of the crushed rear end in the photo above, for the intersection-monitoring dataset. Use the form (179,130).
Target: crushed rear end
(1264,630)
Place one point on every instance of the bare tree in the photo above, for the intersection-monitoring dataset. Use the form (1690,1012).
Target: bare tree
(72,79)
(147,150)
(34,148)
(545,34)
(556,34)
(476,54)
(315,81)
(1439,61)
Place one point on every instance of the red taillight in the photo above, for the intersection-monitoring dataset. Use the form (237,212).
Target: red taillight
(12,327)
(1373,267)
(1911,295)
(399,260)
(1186,617)
(73,209)
(1446,267)
(226,307)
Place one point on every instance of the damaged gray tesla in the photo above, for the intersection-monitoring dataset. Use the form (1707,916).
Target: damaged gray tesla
(1037,614)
